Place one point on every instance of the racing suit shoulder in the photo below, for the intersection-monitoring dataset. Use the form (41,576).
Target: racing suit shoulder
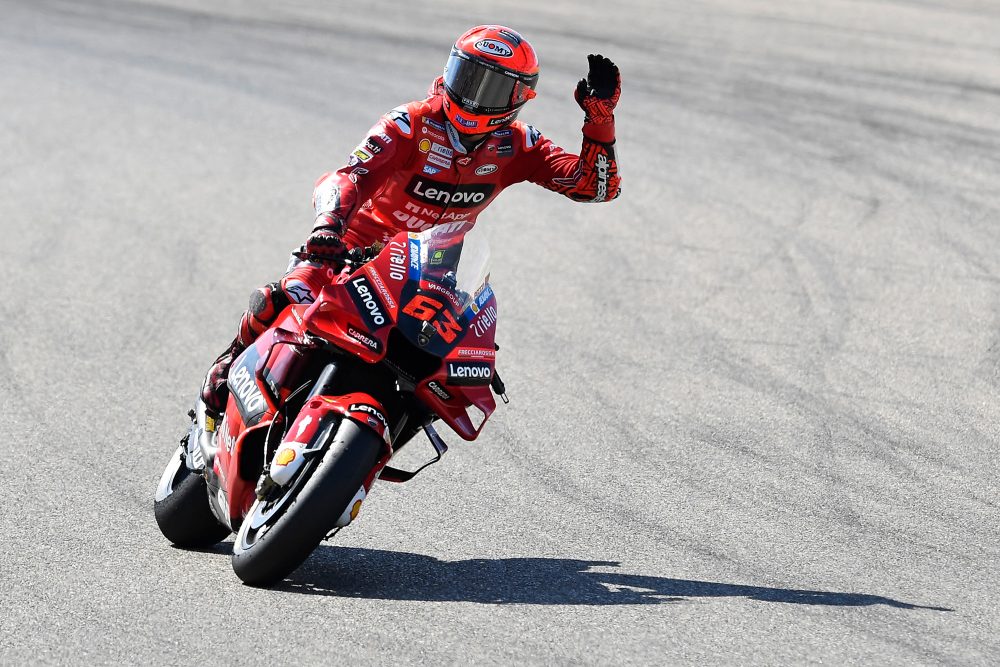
(387,147)
(406,116)
(526,137)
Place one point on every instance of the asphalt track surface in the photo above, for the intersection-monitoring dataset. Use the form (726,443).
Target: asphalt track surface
(753,412)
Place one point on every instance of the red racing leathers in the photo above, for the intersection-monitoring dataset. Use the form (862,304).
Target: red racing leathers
(411,173)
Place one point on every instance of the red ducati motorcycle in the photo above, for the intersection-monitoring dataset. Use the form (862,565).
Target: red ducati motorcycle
(322,400)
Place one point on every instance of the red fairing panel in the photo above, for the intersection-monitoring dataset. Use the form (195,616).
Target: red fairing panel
(250,397)
(360,407)
(314,419)
(359,311)
(465,375)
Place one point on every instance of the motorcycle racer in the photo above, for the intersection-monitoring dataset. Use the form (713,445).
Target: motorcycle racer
(441,161)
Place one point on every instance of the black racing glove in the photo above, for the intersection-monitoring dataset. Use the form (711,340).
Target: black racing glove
(598,94)
(325,243)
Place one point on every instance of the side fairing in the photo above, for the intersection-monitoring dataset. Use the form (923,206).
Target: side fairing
(244,389)
(464,378)
(359,311)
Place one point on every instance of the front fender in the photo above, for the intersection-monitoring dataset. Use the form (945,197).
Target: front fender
(315,425)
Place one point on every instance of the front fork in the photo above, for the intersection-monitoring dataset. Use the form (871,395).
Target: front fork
(199,456)
(315,426)
(200,446)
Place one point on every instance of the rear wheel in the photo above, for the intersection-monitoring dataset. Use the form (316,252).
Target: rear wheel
(279,534)
(181,507)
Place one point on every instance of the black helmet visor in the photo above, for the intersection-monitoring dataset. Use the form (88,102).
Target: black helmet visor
(483,88)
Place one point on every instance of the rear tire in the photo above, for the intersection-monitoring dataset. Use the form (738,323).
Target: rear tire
(181,507)
(268,547)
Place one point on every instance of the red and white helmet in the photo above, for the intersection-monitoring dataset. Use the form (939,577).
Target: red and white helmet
(491,73)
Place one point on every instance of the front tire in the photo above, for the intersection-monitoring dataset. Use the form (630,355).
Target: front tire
(181,507)
(279,534)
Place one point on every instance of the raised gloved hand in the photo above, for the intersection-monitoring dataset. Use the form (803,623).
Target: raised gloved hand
(325,242)
(598,94)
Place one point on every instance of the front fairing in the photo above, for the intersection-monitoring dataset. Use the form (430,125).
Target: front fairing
(433,289)
(448,283)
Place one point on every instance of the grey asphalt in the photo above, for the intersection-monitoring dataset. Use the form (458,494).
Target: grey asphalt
(753,416)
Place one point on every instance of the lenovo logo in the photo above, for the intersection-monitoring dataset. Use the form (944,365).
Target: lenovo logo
(469,372)
(449,194)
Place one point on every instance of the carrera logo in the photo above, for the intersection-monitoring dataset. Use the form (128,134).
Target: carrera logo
(364,339)
(494,48)
(436,159)
(448,194)
(364,298)
(469,372)
(486,169)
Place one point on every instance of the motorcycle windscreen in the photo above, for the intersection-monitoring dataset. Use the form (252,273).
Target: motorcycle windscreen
(450,272)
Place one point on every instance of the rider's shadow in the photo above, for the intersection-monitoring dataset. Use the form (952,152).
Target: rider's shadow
(391,575)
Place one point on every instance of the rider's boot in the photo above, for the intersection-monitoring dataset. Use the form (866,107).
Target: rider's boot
(215,390)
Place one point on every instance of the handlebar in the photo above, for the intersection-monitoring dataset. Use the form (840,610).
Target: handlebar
(353,258)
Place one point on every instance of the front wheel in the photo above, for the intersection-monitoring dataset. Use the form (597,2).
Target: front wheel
(181,507)
(279,533)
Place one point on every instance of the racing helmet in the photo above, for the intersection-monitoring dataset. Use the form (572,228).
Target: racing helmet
(491,73)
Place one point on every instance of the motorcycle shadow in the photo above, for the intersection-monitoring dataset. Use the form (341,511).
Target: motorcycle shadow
(390,575)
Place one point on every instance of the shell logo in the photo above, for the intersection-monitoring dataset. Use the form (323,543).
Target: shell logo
(285,456)
(355,509)
(424,145)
